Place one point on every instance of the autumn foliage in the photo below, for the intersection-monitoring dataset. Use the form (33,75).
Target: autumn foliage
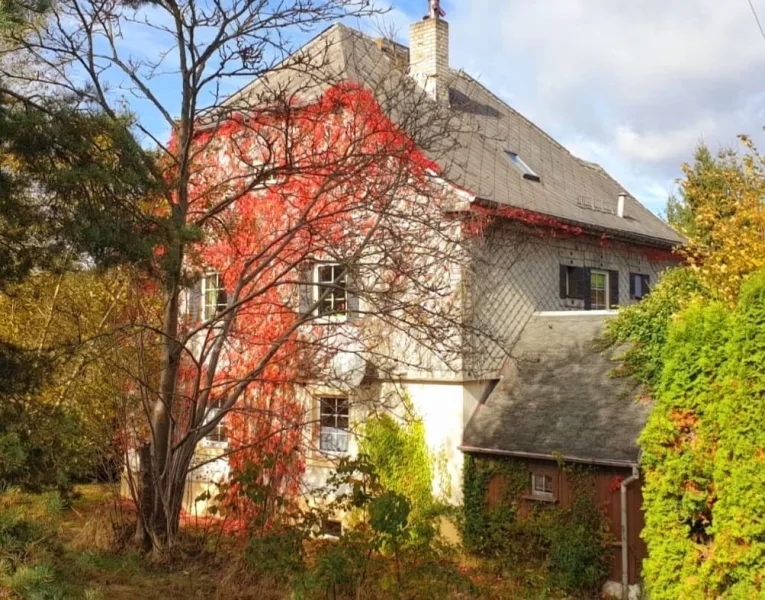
(274,191)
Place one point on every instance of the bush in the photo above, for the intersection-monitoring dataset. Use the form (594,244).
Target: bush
(27,548)
(703,455)
(645,326)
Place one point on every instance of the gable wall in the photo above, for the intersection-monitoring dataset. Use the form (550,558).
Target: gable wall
(517,273)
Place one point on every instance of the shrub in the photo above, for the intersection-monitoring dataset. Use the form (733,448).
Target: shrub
(27,548)
(703,455)
(645,326)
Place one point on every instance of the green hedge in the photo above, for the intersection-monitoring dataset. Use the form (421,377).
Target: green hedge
(704,455)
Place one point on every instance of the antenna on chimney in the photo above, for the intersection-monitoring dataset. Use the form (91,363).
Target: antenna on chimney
(435,11)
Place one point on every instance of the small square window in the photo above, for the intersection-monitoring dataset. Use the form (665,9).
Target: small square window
(332,289)
(214,295)
(541,485)
(334,423)
(331,528)
(527,171)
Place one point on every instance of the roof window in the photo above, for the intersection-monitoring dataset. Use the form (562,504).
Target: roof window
(528,173)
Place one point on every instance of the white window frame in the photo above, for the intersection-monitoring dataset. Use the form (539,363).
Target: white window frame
(543,493)
(219,307)
(607,290)
(318,289)
(334,432)
(219,435)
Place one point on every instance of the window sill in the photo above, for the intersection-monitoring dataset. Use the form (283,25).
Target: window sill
(544,499)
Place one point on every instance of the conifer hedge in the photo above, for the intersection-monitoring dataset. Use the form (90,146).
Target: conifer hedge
(704,455)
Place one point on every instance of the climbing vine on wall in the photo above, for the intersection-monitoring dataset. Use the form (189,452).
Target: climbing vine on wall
(570,546)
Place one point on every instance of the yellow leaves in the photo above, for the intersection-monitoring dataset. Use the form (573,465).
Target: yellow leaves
(724,195)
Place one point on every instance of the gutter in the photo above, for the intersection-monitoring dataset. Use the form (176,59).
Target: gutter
(556,457)
(625,540)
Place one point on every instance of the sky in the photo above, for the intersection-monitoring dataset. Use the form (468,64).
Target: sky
(634,86)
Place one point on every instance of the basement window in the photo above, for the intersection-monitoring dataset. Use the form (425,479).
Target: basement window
(528,172)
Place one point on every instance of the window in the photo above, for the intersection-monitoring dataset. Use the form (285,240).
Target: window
(214,298)
(640,285)
(333,419)
(541,485)
(332,289)
(599,290)
(331,528)
(528,173)
(219,433)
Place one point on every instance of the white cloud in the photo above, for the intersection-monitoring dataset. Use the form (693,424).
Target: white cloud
(632,85)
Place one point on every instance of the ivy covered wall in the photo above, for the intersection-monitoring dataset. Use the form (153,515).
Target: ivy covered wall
(567,542)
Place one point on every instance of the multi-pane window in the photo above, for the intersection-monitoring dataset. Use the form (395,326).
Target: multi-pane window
(541,485)
(599,290)
(214,298)
(219,433)
(333,290)
(333,436)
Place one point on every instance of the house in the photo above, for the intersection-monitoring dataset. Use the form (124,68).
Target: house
(562,245)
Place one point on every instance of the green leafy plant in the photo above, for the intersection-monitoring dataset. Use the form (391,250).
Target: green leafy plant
(552,547)
(703,454)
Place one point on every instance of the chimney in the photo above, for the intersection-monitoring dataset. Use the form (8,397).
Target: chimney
(620,205)
(429,53)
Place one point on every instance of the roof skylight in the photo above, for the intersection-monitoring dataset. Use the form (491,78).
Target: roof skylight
(527,171)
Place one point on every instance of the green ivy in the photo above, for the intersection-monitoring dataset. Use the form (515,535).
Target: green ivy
(400,456)
(569,546)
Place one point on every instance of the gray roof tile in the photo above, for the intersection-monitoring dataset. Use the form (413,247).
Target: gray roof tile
(557,397)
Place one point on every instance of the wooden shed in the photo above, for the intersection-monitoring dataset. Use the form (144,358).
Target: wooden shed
(559,403)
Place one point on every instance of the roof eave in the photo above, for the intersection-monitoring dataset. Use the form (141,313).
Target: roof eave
(655,242)
(603,462)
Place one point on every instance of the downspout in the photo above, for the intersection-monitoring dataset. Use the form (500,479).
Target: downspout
(625,541)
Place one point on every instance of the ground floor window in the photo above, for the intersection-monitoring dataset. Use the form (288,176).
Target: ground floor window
(333,420)
(599,290)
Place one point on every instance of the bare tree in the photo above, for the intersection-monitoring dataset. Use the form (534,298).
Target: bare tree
(318,205)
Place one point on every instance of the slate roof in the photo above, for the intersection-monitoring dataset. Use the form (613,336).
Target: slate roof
(569,189)
(556,398)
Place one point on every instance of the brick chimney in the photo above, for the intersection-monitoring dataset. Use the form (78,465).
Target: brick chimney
(429,53)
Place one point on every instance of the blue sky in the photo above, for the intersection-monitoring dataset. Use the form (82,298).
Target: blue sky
(634,86)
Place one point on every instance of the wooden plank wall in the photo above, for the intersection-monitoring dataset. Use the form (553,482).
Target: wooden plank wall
(606,495)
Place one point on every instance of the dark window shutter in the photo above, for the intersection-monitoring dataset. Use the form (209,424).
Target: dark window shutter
(563,282)
(613,282)
(633,276)
(194,309)
(585,288)
(305,288)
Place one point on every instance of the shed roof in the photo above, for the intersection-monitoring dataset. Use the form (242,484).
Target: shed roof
(557,398)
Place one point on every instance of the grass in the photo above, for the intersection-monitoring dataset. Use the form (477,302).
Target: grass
(74,553)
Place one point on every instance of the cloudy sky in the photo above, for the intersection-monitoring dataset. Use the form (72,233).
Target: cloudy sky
(634,86)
